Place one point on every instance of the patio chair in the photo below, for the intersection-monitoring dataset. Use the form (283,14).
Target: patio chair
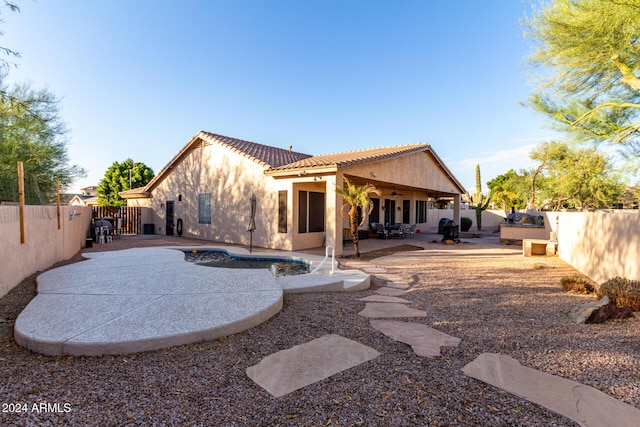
(397,231)
(411,231)
(99,235)
(381,233)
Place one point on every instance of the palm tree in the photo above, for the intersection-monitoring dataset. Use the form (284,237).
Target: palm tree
(357,196)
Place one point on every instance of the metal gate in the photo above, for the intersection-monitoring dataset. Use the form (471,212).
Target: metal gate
(125,219)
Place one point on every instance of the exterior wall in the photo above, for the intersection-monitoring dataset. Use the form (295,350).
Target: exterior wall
(511,232)
(418,170)
(600,245)
(231,179)
(45,244)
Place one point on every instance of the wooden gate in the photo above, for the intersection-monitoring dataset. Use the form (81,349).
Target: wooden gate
(125,219)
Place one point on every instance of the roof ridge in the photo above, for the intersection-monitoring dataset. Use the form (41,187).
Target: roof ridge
(415,144)
(220,138)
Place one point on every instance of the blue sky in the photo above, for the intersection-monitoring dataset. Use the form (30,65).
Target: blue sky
(139,78)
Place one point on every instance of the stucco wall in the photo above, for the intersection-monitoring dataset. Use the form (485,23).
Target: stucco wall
(419,170)
(600,245)
(45,243)
(231,179)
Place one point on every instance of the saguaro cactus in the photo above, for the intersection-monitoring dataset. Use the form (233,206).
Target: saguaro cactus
(481,201)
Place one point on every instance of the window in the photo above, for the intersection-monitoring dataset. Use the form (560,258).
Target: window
(282,211)
(421,211)
(204,208)
(310,212)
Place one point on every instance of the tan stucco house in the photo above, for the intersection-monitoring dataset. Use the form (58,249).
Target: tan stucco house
(205,191)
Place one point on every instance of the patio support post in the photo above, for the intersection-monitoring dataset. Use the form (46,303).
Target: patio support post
(456,208)
(333,228)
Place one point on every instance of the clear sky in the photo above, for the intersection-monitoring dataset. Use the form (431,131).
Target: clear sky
(138,78)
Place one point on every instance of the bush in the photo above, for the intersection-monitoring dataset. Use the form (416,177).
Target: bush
(576,284)
(622,292)
(465,223)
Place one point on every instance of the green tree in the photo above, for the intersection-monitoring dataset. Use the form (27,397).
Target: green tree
(31,131)
(590,52)
(357,197)
(511,189)
(581,179)
(547,154)
(122,177)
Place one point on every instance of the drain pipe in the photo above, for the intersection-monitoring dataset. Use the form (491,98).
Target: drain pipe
(326,256)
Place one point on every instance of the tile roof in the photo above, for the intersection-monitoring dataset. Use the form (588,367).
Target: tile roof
(279,160)
(351,158)
(266,155)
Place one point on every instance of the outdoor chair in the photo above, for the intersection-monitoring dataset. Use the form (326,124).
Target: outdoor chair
(380,231)
(397,231)
(411,231)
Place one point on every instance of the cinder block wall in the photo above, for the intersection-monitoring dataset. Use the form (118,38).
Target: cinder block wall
(45,243)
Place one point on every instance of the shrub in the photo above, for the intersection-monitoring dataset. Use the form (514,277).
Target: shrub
(576,284)
(465,223)
(622,292)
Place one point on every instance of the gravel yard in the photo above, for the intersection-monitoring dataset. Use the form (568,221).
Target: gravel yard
(509,305)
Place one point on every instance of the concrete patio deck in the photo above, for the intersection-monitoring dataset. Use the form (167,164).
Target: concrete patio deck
(142,299)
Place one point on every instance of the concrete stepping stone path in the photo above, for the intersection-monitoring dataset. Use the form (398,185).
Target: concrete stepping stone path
(390,277)
(390,309)
(398,285)
(288,370)
(384,298)
(390,292)
(424,340)
(583,404)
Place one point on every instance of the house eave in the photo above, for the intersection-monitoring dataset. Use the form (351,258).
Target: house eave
(141,195)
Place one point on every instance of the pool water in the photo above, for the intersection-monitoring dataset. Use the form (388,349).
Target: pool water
(221,259)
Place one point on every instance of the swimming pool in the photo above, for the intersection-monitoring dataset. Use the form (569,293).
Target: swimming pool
(221,259)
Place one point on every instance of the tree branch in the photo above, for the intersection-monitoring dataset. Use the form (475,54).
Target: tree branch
(604,105)
(628,77)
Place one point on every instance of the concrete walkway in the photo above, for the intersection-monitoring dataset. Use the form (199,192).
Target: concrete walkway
(142,299)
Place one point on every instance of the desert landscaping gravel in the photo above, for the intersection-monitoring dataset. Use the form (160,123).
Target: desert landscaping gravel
(510,305)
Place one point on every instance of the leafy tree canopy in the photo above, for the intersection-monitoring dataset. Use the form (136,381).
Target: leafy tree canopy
(31,131)
(590,51)
(118,178)
(566,177)
(511,189)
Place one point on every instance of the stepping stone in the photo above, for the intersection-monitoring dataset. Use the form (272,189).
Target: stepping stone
(390,277)
(398,285)
(585,405)
(384,298)
(391,292)
(289,370)
(390,309)
(424,340)
(374,270)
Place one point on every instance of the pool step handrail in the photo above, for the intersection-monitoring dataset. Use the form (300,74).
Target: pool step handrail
(326,255)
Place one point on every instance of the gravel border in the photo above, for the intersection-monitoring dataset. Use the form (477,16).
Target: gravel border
(509,305)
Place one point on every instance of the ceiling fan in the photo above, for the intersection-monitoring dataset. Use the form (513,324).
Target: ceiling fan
(394,193)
